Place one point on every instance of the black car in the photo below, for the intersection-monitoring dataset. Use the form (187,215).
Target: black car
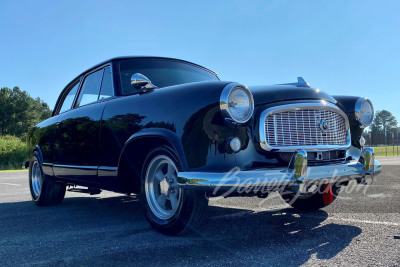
(172,132)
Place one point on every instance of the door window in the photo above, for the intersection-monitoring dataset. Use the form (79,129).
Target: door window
(90,88)
(69,99)
(106,90)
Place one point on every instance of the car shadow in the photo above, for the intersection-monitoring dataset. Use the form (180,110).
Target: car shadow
(286,236)
(228,235)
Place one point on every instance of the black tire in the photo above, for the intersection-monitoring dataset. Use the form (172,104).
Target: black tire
(190,209)
(313,203)
(49,192)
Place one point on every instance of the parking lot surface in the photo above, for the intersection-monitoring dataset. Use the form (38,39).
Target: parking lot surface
(362,227)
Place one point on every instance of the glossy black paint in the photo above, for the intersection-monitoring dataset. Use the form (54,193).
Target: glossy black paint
(347,103)
(78,130)
(103,144)
(276,93)
(196,125)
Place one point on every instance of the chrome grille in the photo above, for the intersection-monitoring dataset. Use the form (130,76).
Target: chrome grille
(299,126)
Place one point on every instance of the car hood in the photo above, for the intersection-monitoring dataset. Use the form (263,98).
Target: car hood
(276,93)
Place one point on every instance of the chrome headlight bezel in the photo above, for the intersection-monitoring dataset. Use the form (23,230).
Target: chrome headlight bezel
(224,103)
(358,112)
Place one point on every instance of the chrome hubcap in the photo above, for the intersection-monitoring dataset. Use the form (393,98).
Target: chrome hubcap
(161,187)
(36,179)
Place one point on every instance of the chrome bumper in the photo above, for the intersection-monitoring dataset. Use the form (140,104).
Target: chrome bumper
(296,173)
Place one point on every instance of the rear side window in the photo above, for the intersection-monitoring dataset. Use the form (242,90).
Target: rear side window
(90,88)
(106,90)
(69,99)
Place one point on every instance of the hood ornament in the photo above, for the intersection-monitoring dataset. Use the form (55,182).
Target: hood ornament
(302,83)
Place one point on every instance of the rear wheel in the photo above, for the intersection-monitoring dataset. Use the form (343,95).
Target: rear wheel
(325,195)
(44,189)
(169,209)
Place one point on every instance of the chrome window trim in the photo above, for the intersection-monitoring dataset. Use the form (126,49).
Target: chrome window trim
(60,103)
(322,105)
(223,102)
(83,78)
(357,111)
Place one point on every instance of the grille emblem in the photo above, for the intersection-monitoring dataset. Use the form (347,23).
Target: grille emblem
(324,126)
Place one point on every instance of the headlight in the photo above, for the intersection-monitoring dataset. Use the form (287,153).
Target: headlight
(364,112)
(236,103)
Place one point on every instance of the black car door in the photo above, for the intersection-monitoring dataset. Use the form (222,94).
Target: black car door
(78,130)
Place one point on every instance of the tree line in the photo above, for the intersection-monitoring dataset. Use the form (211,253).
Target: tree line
(19,111)
(384,121)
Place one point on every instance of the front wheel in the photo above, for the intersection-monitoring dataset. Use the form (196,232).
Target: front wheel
(169,209)
(44,189)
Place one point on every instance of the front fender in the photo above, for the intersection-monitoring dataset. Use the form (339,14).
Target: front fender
(347,104)
(168,137)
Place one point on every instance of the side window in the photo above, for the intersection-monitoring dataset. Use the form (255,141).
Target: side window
(106,86)
(69,99)
(90,88)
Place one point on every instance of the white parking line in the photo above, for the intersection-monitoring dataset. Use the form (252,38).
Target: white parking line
(280,207)
(11,184)
(364,221)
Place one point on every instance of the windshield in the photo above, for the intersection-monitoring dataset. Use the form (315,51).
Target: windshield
(162,73)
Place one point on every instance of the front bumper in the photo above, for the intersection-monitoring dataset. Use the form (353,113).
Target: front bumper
(297,173)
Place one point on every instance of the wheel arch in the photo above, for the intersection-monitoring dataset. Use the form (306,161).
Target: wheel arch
(37,151)
(136,150)
(46,167)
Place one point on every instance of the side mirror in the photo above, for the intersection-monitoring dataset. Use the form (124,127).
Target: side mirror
(139,81)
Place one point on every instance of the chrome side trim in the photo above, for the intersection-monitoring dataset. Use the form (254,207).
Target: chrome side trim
(107,168)
(75,167)
(69,171)
(48,169)
(105,171)
(290,107)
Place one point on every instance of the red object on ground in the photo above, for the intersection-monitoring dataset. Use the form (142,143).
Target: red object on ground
(327,196)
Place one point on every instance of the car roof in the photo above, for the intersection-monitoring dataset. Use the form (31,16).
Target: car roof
(144,57)
(124,58)
(131,57)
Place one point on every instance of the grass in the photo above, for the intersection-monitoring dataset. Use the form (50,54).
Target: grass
(13,152)
(23,170)
(381,151)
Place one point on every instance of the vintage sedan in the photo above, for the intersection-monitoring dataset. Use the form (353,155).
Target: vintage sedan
(173,133)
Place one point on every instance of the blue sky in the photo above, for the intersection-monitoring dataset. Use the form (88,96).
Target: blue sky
(342,47)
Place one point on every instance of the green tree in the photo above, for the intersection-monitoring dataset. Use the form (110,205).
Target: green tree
(19,111)
(384,121)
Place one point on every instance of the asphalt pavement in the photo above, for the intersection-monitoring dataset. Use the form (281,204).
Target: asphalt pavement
(361,228)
